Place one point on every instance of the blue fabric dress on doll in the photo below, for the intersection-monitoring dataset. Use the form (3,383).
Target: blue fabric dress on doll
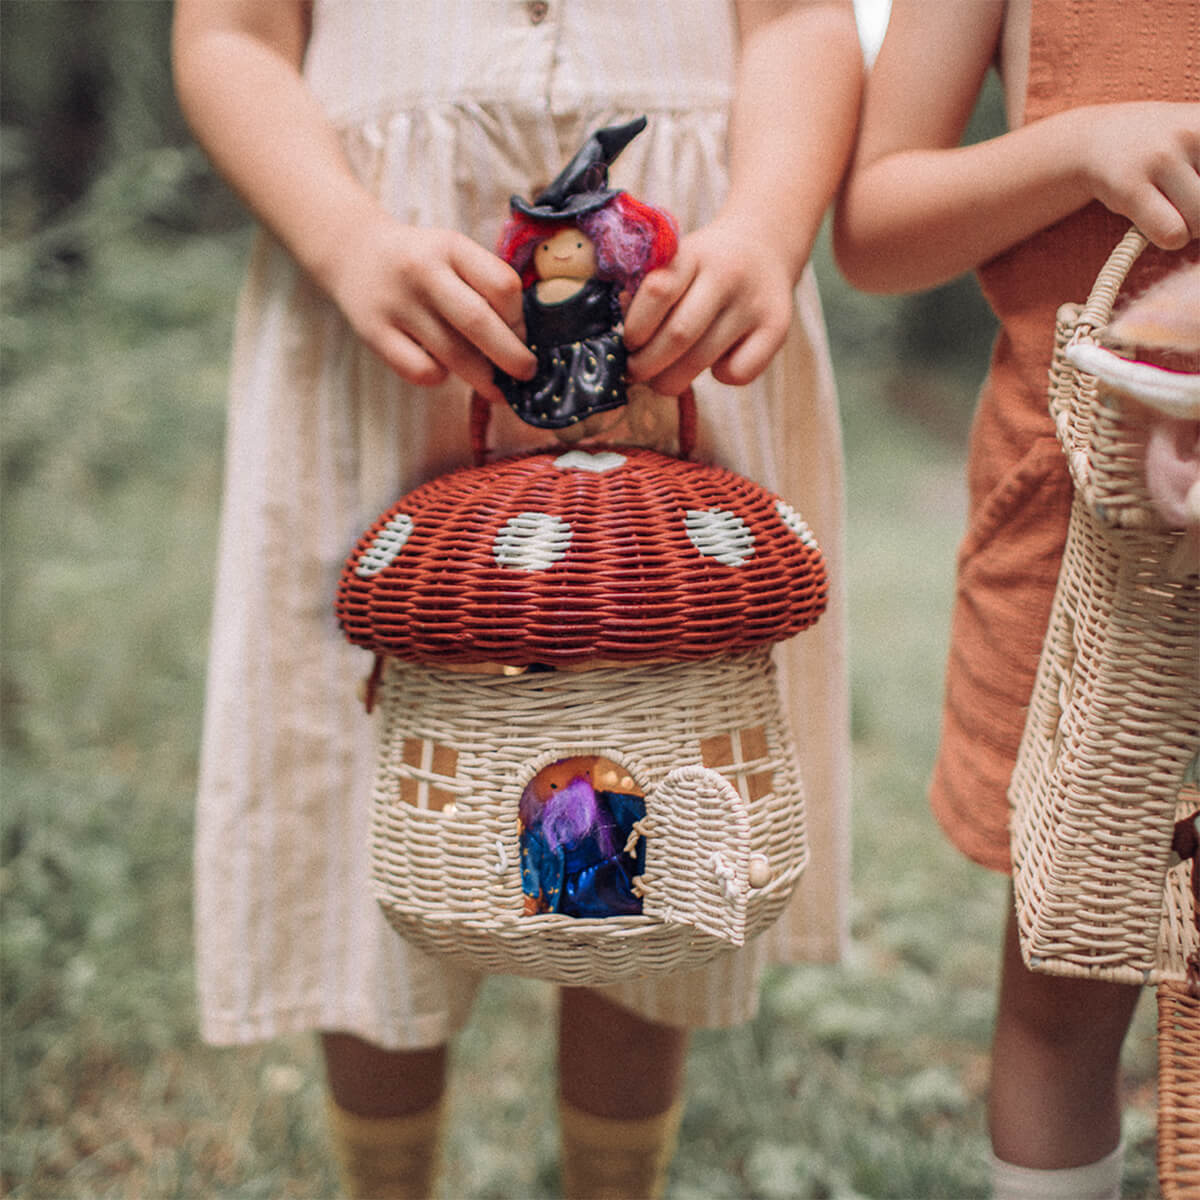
(580,357)
(580,868)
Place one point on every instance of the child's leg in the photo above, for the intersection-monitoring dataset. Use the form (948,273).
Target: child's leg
(620,1084)
(385,1116)
(371,1082)
(1055,1065)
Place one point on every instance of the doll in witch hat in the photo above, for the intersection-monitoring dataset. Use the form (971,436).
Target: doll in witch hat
(581,249)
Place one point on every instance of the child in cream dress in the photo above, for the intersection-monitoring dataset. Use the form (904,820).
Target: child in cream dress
(444,111)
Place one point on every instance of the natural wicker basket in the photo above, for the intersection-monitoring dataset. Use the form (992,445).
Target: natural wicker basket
(448,874)
(1178,1091)
(1114,720)
(1179,1042)
(613,602)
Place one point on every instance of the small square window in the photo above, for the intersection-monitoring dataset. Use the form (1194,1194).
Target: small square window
(742,756)
(428,776)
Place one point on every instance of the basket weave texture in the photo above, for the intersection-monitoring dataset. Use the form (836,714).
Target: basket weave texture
(566,558)
(613,602)
(1178,1092)
(448,874)
(1114,720)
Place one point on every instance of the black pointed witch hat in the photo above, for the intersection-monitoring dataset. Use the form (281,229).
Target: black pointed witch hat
(582,185)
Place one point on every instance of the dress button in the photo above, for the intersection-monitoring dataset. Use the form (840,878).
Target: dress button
(537,10)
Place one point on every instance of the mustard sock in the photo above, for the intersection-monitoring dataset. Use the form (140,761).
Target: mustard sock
(605,1158)
(386,1158)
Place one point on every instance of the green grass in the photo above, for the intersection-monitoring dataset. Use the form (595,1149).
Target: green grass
(863,1080)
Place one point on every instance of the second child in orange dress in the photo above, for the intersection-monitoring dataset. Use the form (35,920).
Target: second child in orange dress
(1104,130)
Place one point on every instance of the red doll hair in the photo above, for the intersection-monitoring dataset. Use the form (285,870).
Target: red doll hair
(631,239)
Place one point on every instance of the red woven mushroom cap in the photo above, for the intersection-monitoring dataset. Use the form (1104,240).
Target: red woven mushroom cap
(561,558)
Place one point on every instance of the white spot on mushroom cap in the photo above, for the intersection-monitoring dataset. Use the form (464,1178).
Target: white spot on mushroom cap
(531,541)
(384,547)
(796,523)
(583,460)
(720,534)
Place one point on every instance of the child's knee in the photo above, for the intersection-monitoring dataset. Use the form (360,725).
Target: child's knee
(1060,1011)
(1065,1013)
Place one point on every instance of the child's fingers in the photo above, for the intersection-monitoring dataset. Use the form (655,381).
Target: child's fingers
(1179,182)
(678,336)
(488,312)
(658,294)
(737,353)
(747,359)
(492,278)
(1144,163)
(696,336)
(1158,219)
(459,355)
(714,327)
(426,349)
(477,325)
(405,356)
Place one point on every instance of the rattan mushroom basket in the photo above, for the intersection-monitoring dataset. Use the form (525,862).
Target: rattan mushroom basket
(613,604)
(1113,728)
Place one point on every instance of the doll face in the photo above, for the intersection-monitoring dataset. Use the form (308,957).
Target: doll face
(568,254)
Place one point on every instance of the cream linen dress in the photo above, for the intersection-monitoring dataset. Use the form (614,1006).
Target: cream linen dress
(446,109)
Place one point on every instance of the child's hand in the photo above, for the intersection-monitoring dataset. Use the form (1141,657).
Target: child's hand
(431,302)
(724,301)
(1142,160)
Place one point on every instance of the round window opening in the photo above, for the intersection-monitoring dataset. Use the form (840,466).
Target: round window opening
(582,853)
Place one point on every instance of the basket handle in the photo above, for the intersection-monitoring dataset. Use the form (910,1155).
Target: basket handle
(1072,404)
(1098,309)
(481,419)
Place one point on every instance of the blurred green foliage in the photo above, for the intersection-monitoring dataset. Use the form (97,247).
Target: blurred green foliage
(82,84)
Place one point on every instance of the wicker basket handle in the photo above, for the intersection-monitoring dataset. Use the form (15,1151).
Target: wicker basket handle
(1072,397)
(481,419)
(1098,309)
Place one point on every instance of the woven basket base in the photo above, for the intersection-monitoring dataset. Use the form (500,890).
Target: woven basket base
(1113,725)
(724,825)
(562,950)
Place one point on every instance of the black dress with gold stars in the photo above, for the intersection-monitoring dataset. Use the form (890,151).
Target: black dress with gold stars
(580,355)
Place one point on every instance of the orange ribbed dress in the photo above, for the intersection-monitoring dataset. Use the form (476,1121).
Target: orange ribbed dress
(1081,52)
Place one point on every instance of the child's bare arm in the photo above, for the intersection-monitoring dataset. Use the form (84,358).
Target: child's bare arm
(726,299)
(918,209)
(428,302)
